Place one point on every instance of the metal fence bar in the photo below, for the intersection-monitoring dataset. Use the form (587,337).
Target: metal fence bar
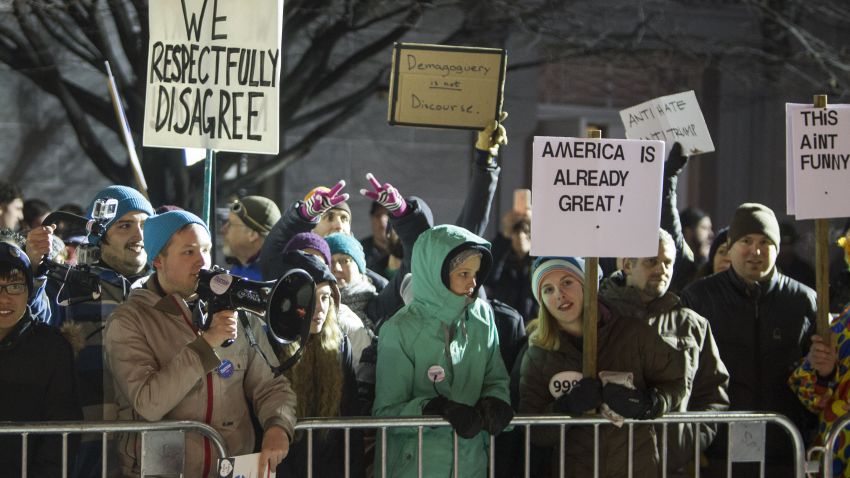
(492,473)
(562,451)
(664,450)
(347,452)
(25,429)
(419,448)
(527,421)
(697,454)
(829,445)
(309,453)
(631,467)
(103,463)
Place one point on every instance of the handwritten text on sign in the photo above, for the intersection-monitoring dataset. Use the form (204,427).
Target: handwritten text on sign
(213,75)
(435,85)
(589,194)
(819,150)
(673,118)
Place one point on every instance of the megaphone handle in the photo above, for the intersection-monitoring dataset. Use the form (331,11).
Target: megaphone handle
(227,343)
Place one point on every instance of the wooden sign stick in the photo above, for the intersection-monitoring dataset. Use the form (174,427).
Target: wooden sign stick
(590,310)
(822,259)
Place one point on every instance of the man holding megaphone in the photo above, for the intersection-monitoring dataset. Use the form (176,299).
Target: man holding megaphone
(165,367)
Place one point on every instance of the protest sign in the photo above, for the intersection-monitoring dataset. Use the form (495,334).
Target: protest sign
(213,75)
(243,466)
(596,197)
(446,86)
(673,118)
(819,155)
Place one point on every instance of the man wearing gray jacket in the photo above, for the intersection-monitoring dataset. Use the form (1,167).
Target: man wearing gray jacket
(640,292)
(165,368)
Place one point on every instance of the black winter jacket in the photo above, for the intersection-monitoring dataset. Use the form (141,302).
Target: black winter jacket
(762,331)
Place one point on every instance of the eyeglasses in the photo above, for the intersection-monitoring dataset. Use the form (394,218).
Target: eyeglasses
(13,289)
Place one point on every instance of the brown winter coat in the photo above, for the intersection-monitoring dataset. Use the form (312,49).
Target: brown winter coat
(165,371)
(705,374)
(623,346)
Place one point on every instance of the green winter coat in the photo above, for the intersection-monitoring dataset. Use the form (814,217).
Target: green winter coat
(414,340)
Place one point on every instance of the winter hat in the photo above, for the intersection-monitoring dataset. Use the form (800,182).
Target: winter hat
(318,270)
(720,239)
(17,259)
(129,200)
(343,205)
(309,240)
(257,212)
(340,243)
(754,218)
(543,266)
(160,228)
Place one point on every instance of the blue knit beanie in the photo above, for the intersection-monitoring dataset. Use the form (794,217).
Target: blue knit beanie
(160,228)
(346,244)
(129,200)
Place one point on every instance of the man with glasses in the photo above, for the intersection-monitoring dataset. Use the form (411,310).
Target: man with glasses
(36,372)
(122,262)
(248,223)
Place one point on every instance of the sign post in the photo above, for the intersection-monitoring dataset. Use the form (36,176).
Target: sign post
(590,314)
(822,259)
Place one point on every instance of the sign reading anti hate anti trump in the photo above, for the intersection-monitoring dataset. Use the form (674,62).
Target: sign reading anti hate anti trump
(596,197)
(213,75)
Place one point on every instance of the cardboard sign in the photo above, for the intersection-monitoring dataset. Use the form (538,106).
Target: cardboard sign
(673,118)
(597,198)
(446,86)
(214,75)
(819,158)
(243,466)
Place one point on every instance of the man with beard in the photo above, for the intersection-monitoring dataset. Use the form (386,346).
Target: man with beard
(122,262)
(248,223)
(640,292)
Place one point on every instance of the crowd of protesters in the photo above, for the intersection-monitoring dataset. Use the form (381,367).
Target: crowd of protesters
(418,319)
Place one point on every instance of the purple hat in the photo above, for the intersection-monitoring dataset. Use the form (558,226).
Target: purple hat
(309,240)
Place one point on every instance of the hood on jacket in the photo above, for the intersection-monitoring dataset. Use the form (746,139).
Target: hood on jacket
(431,254)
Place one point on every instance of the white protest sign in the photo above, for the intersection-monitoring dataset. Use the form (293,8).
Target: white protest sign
(673,118)
(596,197)
(820,157)
(789,164)
(214,75)
(243,466)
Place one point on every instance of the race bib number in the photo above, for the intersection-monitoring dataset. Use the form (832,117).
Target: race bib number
(563,382)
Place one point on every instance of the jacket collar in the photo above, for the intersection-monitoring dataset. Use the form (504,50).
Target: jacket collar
(171,304)
(760,289)
(626,300)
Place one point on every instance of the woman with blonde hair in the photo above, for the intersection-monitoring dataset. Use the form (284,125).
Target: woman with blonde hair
(323,380)
(640,377)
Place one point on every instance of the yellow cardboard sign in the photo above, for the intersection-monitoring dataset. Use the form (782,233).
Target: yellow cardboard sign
(446,86)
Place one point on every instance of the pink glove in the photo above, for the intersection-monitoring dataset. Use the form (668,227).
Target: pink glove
(386,195)
(320,200)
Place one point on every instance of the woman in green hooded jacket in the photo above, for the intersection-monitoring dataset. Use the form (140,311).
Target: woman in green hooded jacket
(439,355)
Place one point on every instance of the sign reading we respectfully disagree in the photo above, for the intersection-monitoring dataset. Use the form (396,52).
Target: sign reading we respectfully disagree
(446,86)
(818,161)
(213,75)
(596,197)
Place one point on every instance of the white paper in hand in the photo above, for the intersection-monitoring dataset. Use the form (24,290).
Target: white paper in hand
(242,466)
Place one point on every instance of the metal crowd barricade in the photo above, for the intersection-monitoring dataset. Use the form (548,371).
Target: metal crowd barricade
(528,421)
(104,428)
(829,446)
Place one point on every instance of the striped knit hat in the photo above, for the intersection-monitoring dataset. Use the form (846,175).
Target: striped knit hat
(543,266)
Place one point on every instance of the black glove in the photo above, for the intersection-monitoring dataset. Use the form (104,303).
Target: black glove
(676,161)
(585,395)
(632,403)
(495,414)
(465,420)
